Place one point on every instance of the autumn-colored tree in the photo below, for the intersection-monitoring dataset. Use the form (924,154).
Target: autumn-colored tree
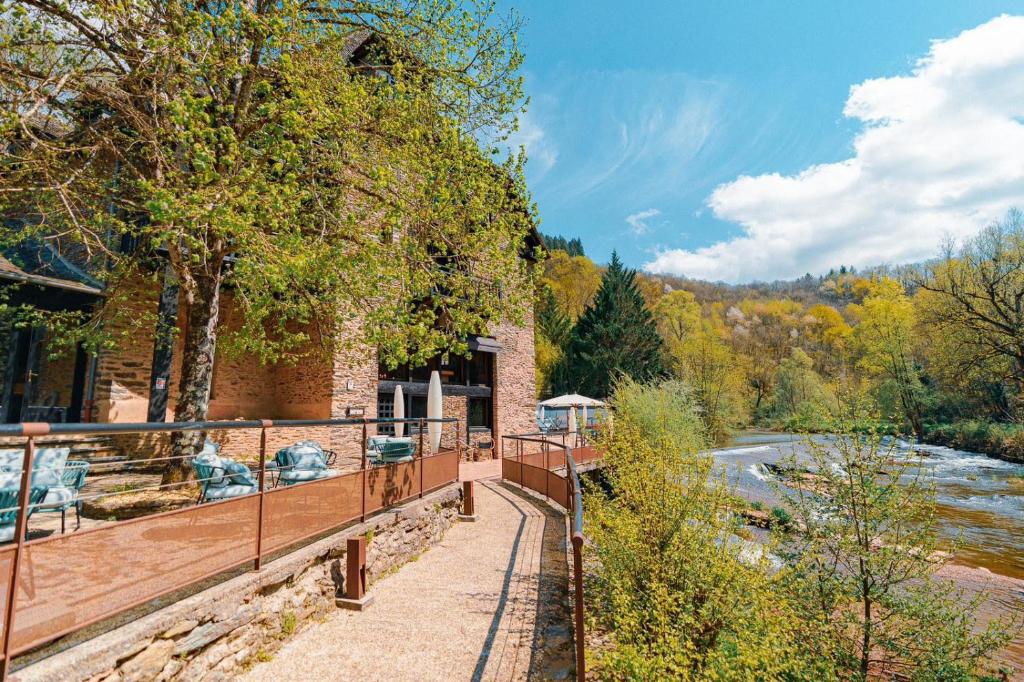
(764,332)
(885,343)
(574,281)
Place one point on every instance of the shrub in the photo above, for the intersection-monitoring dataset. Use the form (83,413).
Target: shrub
(863,567)
(673,590)
(781,517)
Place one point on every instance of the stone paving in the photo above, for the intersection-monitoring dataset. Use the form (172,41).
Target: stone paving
(488,603)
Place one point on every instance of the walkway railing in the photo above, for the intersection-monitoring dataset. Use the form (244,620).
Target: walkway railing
(56,585)
(530,462)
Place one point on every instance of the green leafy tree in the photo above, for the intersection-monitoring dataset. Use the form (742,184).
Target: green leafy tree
(974,305)
(573,247)
(801,397)
(616,335)
(863,567)
(885,340)
(674,594)
(323,159)
(552,331)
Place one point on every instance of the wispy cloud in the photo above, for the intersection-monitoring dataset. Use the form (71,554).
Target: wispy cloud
(940,154)
(631,133)
(540,150)
(638,222)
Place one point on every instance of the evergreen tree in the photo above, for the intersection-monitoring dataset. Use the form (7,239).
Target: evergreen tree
(615,335)
(551,321)
(573,247)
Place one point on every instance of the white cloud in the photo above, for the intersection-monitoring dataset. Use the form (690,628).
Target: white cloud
(941,153)
(638,222)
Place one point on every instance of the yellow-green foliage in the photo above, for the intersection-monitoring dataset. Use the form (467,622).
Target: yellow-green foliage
(677,594)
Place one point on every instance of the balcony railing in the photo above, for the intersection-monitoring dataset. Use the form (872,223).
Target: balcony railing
(546,464)
(56,585)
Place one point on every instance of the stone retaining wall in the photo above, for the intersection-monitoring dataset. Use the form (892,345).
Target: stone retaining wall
(215,634)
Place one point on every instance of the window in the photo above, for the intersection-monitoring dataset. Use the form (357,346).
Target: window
(479,413)
(453,371)
(481,369)
(415,408)
(385,410)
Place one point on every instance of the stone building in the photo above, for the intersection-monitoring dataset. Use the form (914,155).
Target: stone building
(490,393)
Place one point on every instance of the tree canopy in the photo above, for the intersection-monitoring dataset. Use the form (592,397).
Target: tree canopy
(331,162)
(615,335)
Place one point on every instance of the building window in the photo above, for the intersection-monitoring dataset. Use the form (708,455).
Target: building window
(479,413)
(415,408)
(385,410)
(481,369)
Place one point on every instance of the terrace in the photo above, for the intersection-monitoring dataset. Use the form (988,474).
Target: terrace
(101,600)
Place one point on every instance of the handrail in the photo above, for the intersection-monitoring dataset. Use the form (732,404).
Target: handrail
(574,500)
(362,477)
(59,428)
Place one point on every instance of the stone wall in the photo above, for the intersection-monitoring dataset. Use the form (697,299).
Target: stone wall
(218,633)
(515,392)
(309,389)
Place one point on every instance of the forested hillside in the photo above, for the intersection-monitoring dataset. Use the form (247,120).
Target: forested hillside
(936,349)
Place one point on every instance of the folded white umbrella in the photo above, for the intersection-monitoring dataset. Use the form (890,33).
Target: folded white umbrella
(399,412)
(434,411)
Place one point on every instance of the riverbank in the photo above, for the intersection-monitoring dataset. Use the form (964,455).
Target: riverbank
(1002,441)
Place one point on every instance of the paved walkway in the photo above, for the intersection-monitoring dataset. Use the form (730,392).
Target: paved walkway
(487,603)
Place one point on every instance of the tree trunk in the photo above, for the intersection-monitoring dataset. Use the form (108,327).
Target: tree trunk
(200,343)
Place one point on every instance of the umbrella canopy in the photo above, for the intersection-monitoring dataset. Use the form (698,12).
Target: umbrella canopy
(571,400)
(572,420)
(399,412)
(434,410)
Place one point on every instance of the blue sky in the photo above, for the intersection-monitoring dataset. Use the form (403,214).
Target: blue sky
(644,119)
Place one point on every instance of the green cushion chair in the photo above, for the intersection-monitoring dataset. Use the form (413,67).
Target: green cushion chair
(397,450)
(221,478)
(60,498)
(304,461)
(9,506)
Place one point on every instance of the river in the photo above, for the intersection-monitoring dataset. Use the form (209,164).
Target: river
(980,499)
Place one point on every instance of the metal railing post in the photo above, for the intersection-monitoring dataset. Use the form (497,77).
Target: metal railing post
(363,447)
(263,489)
(421,436)
(577,574)
(19,537)
(355,567)
(422,461)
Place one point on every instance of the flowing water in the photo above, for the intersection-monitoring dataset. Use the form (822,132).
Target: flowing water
(980,500)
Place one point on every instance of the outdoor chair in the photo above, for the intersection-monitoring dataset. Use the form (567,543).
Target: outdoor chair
(60,498)
(9,505)
(47,465)
(396,450)
(545,424)
(221,478)
(304,461)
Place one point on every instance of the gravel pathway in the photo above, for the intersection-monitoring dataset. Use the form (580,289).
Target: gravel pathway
(487,603)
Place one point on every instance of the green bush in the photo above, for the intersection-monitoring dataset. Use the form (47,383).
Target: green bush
(674,593)
(781,517)
(1001,440)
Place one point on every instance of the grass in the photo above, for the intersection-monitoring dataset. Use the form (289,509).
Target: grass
(126,487)
(288,623)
